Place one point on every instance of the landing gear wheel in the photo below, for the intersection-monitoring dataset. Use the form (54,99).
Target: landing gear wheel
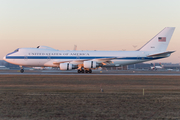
(86,71)
(79,71)
(90,71)
(22,70)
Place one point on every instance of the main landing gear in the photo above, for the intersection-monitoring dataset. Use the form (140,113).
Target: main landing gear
(86,71)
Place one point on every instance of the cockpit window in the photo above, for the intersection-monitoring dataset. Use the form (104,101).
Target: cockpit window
(16,50)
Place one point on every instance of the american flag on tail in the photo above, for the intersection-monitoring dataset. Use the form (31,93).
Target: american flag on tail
(162,39)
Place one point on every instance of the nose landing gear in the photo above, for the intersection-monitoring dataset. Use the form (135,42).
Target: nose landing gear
(22,70)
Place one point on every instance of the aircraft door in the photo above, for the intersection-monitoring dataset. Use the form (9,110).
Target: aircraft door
(25,61)
(77,57)
(48,58)
(25,58)
(138,58)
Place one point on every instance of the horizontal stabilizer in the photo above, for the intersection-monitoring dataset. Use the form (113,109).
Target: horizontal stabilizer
(164,54)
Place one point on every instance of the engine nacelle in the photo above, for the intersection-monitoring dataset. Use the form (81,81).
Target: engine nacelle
(65,66)
(89,64)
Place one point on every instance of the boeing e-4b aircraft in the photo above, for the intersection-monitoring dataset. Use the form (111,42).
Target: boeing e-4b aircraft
(84,61)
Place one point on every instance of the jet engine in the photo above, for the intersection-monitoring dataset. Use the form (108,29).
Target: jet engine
(89,64)
(65,66)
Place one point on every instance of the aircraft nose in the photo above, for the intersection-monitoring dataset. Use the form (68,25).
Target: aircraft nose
(4,58)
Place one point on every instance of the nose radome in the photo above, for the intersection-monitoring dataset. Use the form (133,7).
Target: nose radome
(4,58)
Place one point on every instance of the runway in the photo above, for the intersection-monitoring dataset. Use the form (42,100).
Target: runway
(95,72)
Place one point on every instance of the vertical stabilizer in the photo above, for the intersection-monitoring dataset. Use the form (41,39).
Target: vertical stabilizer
(160,41)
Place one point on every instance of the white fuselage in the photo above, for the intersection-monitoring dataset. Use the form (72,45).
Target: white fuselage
(35,57)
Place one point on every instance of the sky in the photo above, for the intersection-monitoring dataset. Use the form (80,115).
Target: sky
(89,24)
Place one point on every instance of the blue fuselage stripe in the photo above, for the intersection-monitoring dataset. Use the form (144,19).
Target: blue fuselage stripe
(74,57)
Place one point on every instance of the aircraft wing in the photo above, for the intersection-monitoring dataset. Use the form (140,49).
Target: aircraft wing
(58,62)
(72,61)
(163,54)
(103,59)
(99,60)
